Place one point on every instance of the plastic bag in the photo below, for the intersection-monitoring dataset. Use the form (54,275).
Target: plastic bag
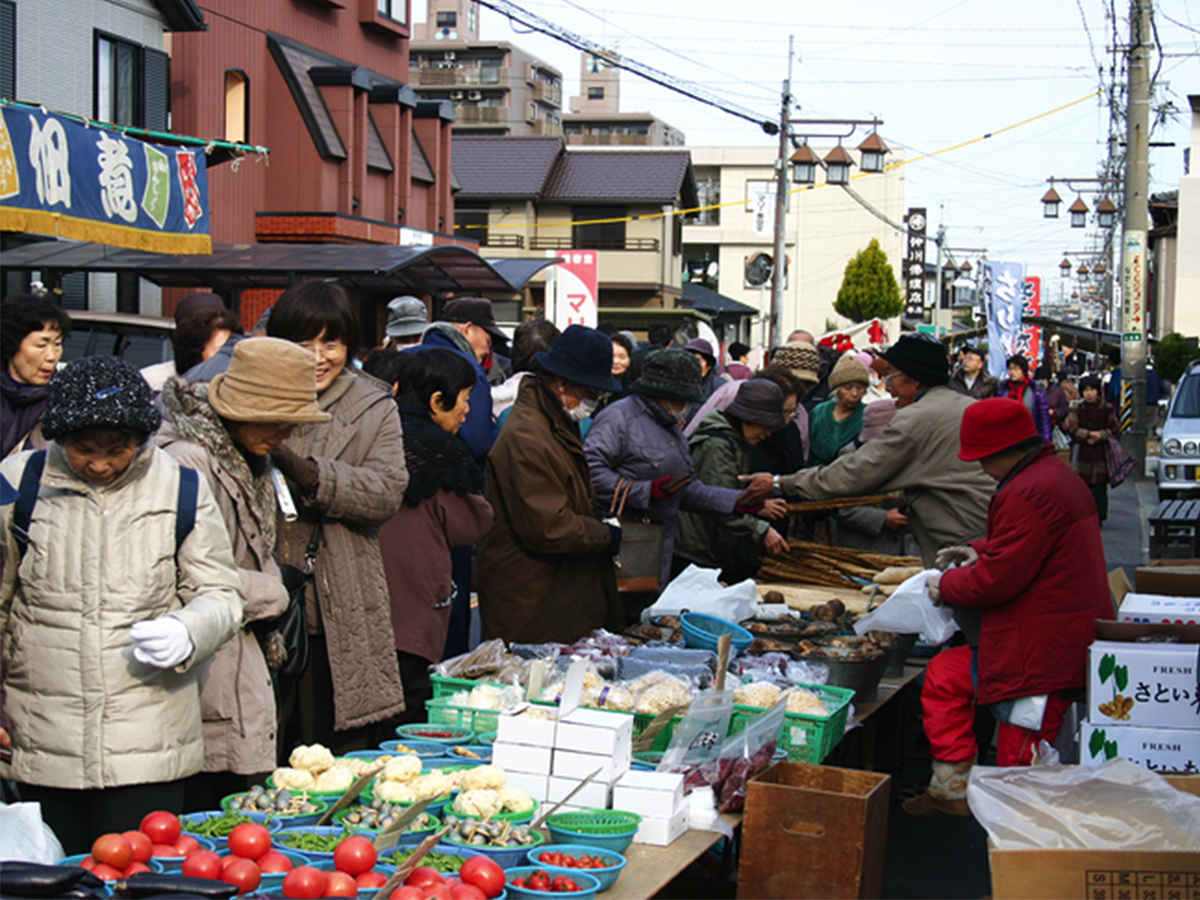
(25,837)
(910,611)
(697,738)
(700,590)
(677,656)
(629,668)
(485,660)
(1115,804)
(743,755)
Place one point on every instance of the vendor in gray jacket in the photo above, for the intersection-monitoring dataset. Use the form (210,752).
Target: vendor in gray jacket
(946,499)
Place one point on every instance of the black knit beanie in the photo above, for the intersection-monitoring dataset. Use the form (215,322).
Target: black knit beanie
(98,392)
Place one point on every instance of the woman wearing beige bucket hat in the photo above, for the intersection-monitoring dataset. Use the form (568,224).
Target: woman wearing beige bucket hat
(225,430)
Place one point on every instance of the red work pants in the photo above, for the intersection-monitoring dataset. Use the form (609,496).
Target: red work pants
(948,705)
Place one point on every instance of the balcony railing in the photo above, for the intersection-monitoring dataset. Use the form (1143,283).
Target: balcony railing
(479,115)
(516,241)
(466,75)
(548,93)
(646,245)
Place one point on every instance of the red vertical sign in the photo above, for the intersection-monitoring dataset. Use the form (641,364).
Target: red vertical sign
(577,288)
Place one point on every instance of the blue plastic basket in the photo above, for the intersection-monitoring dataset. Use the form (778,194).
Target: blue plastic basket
(273,881)
(172,864)
(607,876)
(589,885)
(607,829)
(314,856)
(297,821)
(220,843)
(423,749)
(504,857)
(419,731)
(382,868)
(700,630)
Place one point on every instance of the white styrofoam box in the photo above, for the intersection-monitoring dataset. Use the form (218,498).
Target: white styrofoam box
(1160,608)
(570,764)
(1161,680)
(595,794)
(536,786)
(662,831)
(522,758)
(526,730)
(594,731)
(654,794)
(1157,749)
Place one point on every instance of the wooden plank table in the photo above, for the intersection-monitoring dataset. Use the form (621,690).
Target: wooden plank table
(650,868)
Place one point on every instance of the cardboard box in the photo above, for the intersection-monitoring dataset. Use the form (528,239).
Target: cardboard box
(1160,608)
(536,786)
(1148,684)
(661,832)
(1100,874)
(813,831)
(1156,749)
(570,764)
(649,794)
(526,730)
(595,794)
(1174,577)
(522,758)
(594,731)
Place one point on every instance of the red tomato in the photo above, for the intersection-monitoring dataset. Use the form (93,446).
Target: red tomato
(354,856)
(371,879)
(142,845)
(249,840)
(424,875)
(437,891)
(202,864)
(407,892)
(304,883)
(134,867)
(163,850)
(112,850)
(161,827)
(273,862)
(484,874)
(105,873)
(243,873)
(87,863)
(451,880)
(339,884)
(466,892)
(187,845)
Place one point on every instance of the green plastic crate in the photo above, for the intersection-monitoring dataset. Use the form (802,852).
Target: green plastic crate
(441,711)
(807,738)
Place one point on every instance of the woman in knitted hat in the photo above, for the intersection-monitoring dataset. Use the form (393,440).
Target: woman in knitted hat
(226,430)
(721,449)
(838,422)
(120,583)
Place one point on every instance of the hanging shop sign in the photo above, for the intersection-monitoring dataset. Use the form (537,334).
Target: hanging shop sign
(63,178)
(914,263)
(1001,291)
(573,289)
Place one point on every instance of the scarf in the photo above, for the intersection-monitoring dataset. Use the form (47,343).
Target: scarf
(1016,389)
(437,460)
(827,435)
(21,408)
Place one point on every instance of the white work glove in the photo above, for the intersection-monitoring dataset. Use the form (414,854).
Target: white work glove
(163,642)
(964,556)
(933,586)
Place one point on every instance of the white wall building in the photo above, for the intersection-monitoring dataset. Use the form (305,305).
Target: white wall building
(1186,296)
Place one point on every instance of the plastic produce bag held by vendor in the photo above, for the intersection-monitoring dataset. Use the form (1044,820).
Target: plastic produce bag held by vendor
(910,611)
(700,590)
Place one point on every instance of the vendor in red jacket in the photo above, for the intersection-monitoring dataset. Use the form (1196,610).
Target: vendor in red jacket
(1038,579)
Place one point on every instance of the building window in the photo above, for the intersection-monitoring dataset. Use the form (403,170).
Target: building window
(471,221)
(601,235)
(595,93)
(132,84)
(708,192)
(447,20)
(396,10)
(237,106)
(472,16)
(8,49)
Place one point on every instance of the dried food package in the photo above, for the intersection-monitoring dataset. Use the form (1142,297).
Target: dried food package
(485,660)
(697,738)
(744,755)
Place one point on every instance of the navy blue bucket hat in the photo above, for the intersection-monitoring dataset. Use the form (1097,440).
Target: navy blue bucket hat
(581,356)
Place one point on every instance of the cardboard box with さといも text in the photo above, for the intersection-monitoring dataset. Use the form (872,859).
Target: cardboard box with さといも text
(1156,749)
(1146,684)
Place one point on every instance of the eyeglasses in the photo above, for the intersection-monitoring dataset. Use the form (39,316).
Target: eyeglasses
(327,349)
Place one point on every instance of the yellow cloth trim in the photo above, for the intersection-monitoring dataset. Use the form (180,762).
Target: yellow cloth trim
(39,221)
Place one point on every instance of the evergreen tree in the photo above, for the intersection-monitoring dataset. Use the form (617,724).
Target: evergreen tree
(869,287)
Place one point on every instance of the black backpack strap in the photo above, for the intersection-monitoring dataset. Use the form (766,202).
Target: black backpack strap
(185,509)
(31,480)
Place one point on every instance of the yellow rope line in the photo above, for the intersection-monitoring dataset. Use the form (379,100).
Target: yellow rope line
(796,190)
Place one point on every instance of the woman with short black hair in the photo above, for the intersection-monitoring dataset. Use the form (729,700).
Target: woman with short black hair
(32,331)
(1018,386)
(1089,425)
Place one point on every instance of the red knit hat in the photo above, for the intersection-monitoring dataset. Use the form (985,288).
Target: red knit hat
(992,426)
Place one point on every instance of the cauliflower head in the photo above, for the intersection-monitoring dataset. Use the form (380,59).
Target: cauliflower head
(394,792)
(491,777)
(431,784)
(402,768)
(293,779)
(514,800)
(480,802)
(315,758)
(337,778)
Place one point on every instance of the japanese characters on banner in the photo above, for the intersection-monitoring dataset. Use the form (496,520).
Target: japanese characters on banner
(914,264)
(62,178)
(573,289)
(1029,337)
(1133,287)
(1002,295)
(760,201)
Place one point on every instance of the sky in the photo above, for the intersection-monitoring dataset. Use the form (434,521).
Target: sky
(937,72)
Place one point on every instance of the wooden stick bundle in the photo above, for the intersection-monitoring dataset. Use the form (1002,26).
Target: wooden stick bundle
(819,564)
(815,506)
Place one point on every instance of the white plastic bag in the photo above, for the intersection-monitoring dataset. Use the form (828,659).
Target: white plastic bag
(699,590)
(25,837)
(1116,804)
(910,611)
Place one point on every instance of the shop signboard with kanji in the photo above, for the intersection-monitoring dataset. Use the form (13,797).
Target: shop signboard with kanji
(1028,342)
(573,288)
(62,178)
(914,264)
(1002,294)
(1133,287)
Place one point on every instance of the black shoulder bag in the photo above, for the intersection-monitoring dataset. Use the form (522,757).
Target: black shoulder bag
(285,638)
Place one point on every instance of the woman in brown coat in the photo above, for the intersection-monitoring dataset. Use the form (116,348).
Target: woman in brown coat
(546,568)
(225,430)
(348,473)
(1089,424)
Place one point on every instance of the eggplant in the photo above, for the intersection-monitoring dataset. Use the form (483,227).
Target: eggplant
(78,892)
(26,879)
(152,884)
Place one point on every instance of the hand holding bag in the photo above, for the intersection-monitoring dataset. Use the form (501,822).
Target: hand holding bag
(1120,461)
(285,638)
(640,559)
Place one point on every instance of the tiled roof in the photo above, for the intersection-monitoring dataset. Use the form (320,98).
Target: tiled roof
(421,170)
(504,166)
(699,297)
(653,176)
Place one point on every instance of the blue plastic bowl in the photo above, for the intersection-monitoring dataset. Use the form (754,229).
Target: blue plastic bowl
(297,821)
(504,857)
(607,876)
(423,749)
(486,737)
(419,731)
(382,868)
(700,630)
(172,864)
(589,885)
(451,762)
(220,843)
(75,859)
(314,856)
(483,751)
(273,881)
(617,842)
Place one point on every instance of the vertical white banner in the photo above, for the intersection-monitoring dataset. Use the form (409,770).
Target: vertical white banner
(573,289)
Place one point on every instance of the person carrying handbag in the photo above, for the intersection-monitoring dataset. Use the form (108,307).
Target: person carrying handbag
(1090,424)
(226,430)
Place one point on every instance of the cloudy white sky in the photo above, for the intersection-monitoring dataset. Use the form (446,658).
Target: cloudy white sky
(938,72)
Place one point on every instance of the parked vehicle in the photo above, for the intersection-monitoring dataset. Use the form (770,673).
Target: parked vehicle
(1178,471)
(143,340)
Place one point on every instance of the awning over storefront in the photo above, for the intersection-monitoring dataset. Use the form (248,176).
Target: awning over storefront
(236,267)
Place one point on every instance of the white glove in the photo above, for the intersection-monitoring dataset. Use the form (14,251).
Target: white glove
(163,642)
(965,556)
(933,586)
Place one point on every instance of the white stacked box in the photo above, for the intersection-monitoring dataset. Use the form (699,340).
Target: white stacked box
(658,798)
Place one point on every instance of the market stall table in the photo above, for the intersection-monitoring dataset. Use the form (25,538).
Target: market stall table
(651,868)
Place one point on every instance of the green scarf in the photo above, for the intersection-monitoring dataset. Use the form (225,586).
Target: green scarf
(827,435)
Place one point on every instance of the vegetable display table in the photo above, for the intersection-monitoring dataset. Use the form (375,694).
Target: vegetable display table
(650,868)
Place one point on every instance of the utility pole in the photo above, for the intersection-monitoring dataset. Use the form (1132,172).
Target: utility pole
(1133,256)
(774,333)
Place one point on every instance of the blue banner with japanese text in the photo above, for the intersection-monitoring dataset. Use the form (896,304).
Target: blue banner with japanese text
(1002,294)
(61,177)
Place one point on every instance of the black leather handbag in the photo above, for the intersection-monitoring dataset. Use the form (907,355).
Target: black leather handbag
(284,639)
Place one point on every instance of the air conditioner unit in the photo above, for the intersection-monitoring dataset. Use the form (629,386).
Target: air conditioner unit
(474,95)
(456,95)
(449,54)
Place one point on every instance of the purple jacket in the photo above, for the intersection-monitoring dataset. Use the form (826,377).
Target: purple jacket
(1035,401)
(636,438)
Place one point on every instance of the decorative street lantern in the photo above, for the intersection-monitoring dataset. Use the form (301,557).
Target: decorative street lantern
(1106,213)
(837,166)
(1078,211)
(873,150)
(804,165)
(1050,204)
(1064,268)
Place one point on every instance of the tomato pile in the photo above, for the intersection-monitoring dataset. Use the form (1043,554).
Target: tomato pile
(354,869)
(479,879)
(563,861)
(250,857)
(116,855)
(541,881)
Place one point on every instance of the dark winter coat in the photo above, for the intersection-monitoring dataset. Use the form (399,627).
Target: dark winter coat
(1035,402)
(1091,460)
(1040,582)
(479,431)
(981,388)
(546,570)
